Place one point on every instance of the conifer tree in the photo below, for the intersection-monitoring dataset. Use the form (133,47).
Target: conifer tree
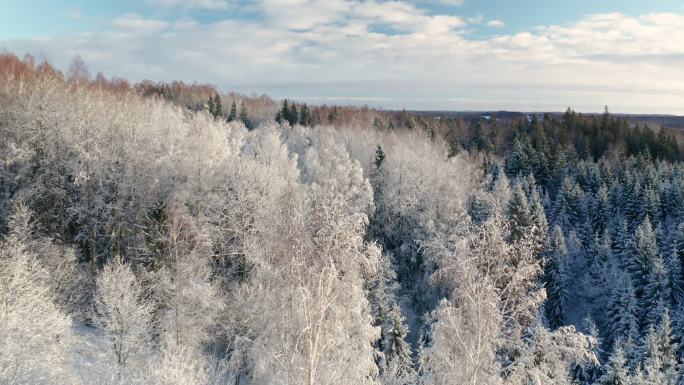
(650,203)
(656,293)
(382,291)
(616,371)
(379,157)
(622,240)
(668,348)
(653,359)
(293,115)
(538,220)
(284,114)
(519,214)
(642,255)
(304,115)
(518,159)
(601,273)
(453,140)
(233,112)
(396,350)
(675,279)
(556,272)
(589,371)
(567,210)
(244,118)
(218,108)
(621,315)
(211,106)
(601,210)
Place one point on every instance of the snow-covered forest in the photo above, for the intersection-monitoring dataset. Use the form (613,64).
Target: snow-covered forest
(148,237)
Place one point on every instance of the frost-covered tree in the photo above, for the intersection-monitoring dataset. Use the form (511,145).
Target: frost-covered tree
(462,345)
(188,297)
(493,297)
(622,312)
(601,210)
(519,214)
(557,277)
(653,359)
(178,366)
(35,335)
(395,349)
(547,357)
(656,293)
(616,369)
(123,311)
(567,209)
(642,255)
(668,348)
(538,221)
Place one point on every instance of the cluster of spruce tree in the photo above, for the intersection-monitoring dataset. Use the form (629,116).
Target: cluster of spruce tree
(535,140)
(216,110)
(293,115)
(610,212)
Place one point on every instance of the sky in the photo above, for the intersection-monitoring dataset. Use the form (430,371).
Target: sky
(524,55)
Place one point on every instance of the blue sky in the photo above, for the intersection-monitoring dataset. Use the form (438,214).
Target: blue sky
(20,19)
(430,54)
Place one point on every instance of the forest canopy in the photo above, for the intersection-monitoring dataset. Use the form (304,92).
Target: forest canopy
(168,233)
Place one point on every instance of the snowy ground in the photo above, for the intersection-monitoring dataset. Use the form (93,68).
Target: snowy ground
(412,321)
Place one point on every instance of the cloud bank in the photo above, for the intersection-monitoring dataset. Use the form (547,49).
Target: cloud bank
(394,54)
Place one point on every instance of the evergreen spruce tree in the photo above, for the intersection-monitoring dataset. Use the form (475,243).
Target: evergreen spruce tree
(601,211)
(284,115)
(244,118)
(616,369)
(650,202)
(656,293)
(675,279)
(621,315)
(668,348)
(542,152)
(479,208)
(519,214)
(396,350)
(652,360)
(232,116)
(622,240)
(211,107)
(304,116)
(638,378)
(601,273)
(518,159)
(642,255)
(382,290)
(293,115)
(677,325)
(453,138)
(557,276)
(538,220)
(379,157)
(588,372)
(567,210)
(218,108)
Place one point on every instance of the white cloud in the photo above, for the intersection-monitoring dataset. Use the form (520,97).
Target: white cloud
(445,2)
(215,5)
(341,49)
(496,24)
(476,19)
(131,22)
